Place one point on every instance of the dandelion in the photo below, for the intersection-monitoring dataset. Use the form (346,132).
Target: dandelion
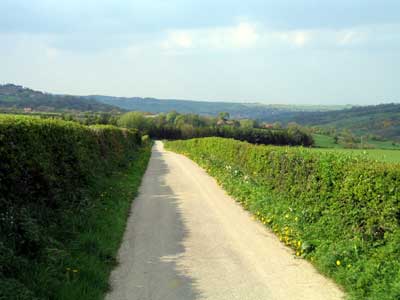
(338,263)
(297,253)
(299,244)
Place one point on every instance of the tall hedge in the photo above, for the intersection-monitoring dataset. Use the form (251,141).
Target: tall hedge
(293,136)
(341,212)
(45,169)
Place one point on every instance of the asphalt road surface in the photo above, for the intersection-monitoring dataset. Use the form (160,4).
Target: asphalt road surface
(187,239)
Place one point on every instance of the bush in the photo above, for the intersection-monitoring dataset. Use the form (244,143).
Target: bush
(46,167)
(342,213)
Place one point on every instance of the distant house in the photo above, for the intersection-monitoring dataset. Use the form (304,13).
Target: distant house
(28,109)
(268,126)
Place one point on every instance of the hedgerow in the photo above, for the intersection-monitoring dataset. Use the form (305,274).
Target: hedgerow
(341,213)
(293,137)
(46,169)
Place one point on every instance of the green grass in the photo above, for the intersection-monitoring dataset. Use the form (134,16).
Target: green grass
(93,253)
(385,145)
(324,141)
(391,156)
(384,150)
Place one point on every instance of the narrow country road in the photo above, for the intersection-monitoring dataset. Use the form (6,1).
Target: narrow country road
(186,239)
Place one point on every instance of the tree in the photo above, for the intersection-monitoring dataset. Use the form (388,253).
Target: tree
(277,125)
(171,116)
(134,119)
(224,116)
(247,123)
(347,138)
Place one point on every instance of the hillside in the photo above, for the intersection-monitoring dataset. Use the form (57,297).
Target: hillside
(382,120)
(18,97)
(235,109)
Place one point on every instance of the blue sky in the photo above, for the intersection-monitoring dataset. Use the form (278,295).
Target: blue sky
(287,51)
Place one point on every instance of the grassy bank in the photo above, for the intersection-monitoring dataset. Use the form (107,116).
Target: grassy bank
(339,212)
(92,254)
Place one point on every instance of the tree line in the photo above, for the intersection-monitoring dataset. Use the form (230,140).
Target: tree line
(174,126)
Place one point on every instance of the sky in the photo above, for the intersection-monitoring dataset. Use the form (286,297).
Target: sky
(279,52)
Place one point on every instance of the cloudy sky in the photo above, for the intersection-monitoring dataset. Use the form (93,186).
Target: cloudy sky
(282,51)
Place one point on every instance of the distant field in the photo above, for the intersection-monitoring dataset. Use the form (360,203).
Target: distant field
(326,141)
(385,151)
(392,156)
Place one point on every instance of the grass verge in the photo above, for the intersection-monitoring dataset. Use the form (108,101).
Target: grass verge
(93,253)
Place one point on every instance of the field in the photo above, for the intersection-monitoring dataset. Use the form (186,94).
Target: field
(326,141)
(340,212)
(391,156)
(383,151)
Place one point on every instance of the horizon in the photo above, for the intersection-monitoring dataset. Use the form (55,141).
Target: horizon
(267,52)
(202,100)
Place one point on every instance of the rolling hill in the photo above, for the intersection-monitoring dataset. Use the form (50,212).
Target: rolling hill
(264,112)
(18,97)
(382,120)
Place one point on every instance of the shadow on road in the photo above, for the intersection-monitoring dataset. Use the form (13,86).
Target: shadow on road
(153,243)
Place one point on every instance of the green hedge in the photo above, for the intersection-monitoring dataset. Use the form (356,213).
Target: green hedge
(340,212)
(46,167)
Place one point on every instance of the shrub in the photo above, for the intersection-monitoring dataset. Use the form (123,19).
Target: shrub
(46,167)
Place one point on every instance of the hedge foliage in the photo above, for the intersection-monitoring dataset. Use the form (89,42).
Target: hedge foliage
(46,167)
(342,213)
(293,137)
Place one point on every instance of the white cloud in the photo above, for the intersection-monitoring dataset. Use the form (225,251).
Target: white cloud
(301,38)
(351,37)
(244,35)
(296,38)
(178,39)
